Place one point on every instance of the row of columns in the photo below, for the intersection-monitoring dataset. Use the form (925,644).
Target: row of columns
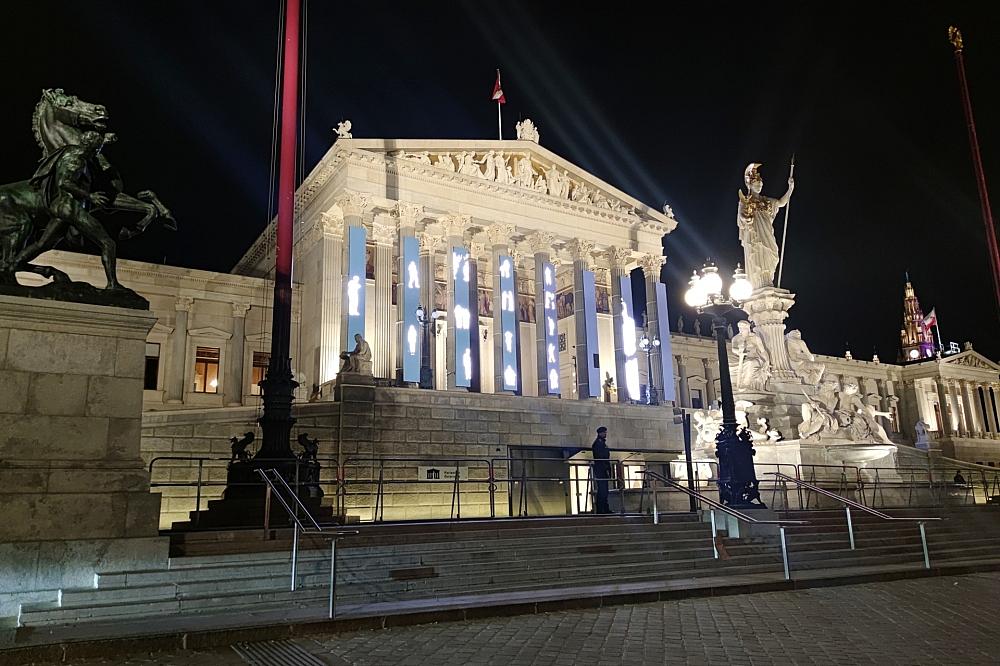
(968,418)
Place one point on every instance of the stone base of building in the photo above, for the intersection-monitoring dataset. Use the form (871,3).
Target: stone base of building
(74,492)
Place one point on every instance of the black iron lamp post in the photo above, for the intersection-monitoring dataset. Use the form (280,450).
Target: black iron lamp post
(738,485)
(649,345)
(429,325)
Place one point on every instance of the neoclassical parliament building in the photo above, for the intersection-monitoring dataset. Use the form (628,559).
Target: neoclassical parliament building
(493,283)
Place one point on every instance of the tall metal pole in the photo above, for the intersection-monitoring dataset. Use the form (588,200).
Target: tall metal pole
(955,37)
(784,229)
(278,386)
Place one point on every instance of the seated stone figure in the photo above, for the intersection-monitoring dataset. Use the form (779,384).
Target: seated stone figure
(819,414)
(358,361)
(859,418)
(803,361)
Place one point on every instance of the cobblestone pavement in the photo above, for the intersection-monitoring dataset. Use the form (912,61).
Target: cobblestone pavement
(924,621)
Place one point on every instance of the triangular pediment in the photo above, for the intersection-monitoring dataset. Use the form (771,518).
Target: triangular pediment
(972,359)
(210,332)
(523,166)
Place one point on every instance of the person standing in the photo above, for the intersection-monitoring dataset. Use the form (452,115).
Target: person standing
(602,470)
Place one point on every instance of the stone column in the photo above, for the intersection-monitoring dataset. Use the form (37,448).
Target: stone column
(540,244)
(476,252)
(682,375)
(983,428)
(963,428)
(651,265)
(384,233)
(455,226)
(331,294)
(945,427)
(408,215)
(499,236)
(353,204)
(709,382)
(768,308)
(970,413)
(430,244)
(233,387)
(581,251)
(619,260)
(178,351)
(891,401)
(991,393)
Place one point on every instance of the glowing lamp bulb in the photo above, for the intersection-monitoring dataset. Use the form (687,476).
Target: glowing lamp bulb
(711,283)
(695,295)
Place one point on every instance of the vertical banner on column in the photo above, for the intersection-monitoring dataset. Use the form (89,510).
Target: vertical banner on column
(628,338)
(593,345)
(551,325)
(411,300)
(508,323)
(355,288)
(666,354)
(463,316)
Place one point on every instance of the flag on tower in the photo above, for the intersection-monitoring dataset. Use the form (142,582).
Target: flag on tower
(930,319)
(498,91)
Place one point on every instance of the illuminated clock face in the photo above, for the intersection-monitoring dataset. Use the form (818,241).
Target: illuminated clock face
(914,354)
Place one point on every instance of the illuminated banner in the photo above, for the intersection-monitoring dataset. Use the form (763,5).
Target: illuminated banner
(411,300)
(628,338)
(551,327)
(355,286)
(508,323)
(663,331)
(589,309)
(463,316)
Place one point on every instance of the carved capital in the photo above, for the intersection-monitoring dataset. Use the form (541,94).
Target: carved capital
(581,250)
(477,249)
(332,223)
(409,214)
(619,258)
(500,233)
(455,225)
(383,234)
(184,304)
(540,241)
(430,242)
(354,203)
(651,265)
(240,309)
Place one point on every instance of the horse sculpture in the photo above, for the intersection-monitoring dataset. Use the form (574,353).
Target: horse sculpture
(70,194)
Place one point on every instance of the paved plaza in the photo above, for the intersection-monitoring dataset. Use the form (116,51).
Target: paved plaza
(945,620)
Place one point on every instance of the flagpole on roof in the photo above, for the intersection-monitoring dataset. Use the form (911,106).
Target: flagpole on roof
(499,124)
(500,100)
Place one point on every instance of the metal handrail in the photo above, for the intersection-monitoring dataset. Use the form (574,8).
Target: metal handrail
(849,504)
(739,515)
(333,536)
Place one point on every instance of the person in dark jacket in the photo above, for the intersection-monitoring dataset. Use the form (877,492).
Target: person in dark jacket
(602,470)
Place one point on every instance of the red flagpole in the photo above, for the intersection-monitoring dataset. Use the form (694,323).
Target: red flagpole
(955,37)
(278,388)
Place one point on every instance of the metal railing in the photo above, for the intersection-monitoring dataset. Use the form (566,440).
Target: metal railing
(275,484)
(734,513)
(849,504)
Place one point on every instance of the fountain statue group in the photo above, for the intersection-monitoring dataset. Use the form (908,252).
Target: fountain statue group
(68,200)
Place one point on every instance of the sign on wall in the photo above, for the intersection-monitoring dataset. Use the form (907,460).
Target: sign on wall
(663,332)
(593,349)
(508,323)
(551,325)
(411,300)
(463,316)
(629,338)
(354,288)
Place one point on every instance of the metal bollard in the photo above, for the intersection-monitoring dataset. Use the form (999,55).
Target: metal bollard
(850,525)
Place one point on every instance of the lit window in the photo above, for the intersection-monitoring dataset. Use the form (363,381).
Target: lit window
(152,373)
(260,361)
(206,370)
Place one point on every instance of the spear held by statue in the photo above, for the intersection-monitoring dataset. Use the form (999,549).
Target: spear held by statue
(784,230)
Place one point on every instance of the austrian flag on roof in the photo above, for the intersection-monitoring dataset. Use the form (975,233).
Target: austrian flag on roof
(498,91)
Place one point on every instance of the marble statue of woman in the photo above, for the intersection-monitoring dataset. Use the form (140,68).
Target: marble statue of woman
(753,368)
(756,222)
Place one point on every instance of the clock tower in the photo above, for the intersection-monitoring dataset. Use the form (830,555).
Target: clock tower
(915,339)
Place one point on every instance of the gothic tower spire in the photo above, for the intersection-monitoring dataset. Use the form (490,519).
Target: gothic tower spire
(915,338)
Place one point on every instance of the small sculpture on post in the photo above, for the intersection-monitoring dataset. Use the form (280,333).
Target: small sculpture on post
(309,466)
(358,361)
(239,448)
(344,130)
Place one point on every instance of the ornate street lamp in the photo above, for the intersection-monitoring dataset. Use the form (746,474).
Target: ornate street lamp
(649,345)
(426,376)
(737,479)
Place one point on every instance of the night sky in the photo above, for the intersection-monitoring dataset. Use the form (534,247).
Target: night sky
(667,102)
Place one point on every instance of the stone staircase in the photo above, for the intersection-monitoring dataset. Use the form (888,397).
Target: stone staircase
(239,572)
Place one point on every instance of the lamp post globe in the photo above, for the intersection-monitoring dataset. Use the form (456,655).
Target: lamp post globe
(738,484)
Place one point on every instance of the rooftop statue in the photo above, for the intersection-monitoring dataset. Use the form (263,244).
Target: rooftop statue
(526,131)
(344,130)
(756,222)
(67,199)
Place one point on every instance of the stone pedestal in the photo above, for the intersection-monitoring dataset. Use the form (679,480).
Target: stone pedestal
(74,492)
(768,307)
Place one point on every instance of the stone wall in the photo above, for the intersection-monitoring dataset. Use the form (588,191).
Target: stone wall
(401,431)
